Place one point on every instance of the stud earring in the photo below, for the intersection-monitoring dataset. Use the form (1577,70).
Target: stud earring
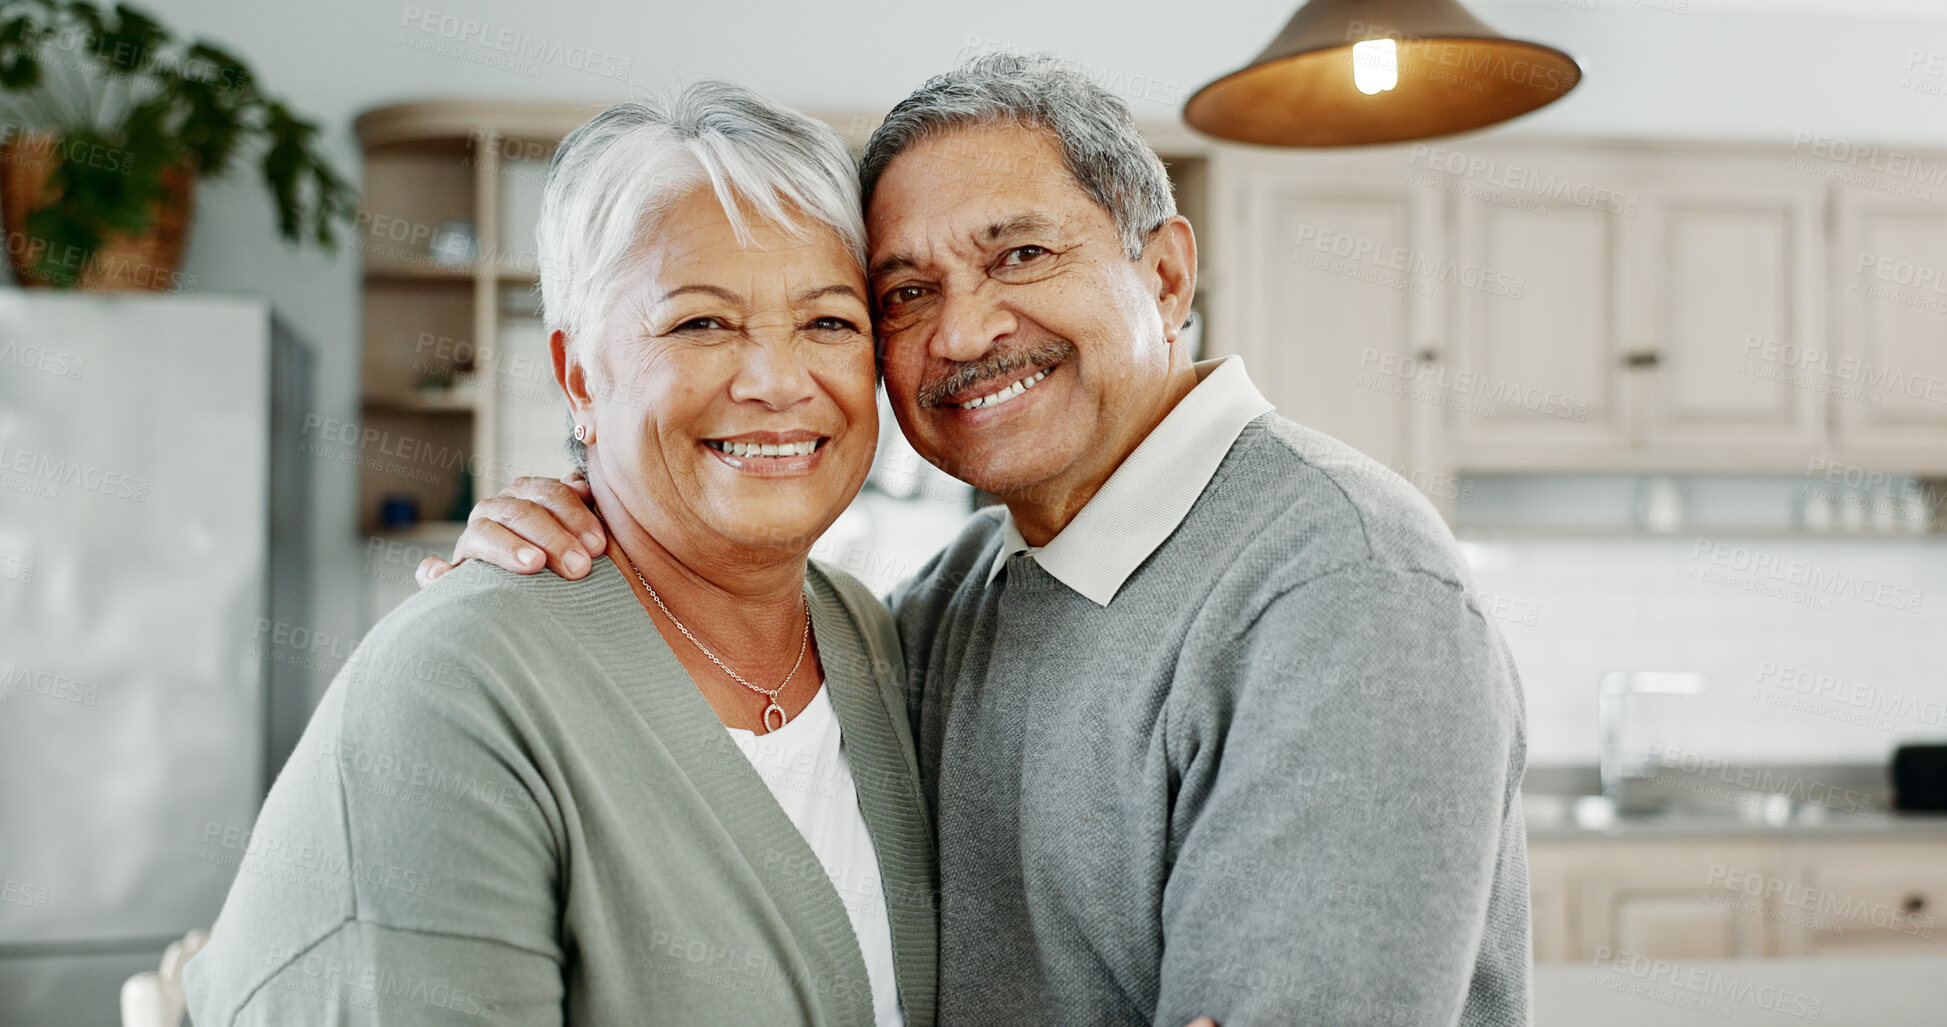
(581,433)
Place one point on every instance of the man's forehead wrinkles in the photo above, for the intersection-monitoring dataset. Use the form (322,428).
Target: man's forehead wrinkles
(893,264)
(968,234)
(925,239)
(1021,223)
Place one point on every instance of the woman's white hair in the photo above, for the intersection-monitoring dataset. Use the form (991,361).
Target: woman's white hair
(613,178)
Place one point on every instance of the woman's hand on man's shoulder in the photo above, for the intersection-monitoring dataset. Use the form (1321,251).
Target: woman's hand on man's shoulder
(533,523)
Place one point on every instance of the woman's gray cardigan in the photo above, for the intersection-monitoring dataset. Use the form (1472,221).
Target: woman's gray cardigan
(514,807)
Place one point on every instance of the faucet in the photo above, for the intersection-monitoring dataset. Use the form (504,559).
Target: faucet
(1608,715)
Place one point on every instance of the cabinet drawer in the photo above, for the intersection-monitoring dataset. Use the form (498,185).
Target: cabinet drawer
(1870,896)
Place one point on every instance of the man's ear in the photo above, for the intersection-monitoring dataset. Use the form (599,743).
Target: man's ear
(1171,256)
(573,379)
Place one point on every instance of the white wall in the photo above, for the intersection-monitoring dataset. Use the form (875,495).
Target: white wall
(1817,650)
(1718,71)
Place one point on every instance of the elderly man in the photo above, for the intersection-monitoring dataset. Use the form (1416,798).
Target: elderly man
(1210,717)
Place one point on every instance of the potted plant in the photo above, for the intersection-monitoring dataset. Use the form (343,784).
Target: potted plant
(110,120)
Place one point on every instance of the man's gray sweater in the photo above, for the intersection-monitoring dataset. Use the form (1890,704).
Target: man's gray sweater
(1276,780)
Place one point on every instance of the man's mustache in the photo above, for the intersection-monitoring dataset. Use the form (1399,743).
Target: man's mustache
(1006,364)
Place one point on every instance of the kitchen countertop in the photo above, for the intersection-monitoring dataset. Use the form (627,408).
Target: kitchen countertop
(1820,824)
(1561,803)
(1880,990)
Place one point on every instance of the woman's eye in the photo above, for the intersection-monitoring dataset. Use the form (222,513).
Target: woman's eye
(1021,255)
(700,324)
(834,324)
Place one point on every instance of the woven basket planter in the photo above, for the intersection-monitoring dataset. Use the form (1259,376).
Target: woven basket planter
(147,262)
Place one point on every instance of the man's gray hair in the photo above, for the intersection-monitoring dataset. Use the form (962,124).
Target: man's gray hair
(612,180)
(1100,144)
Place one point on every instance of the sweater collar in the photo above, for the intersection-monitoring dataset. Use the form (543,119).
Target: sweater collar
(611,623)
(1152,490)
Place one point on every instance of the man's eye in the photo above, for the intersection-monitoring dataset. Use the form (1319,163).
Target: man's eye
(903,294)
(1021,255)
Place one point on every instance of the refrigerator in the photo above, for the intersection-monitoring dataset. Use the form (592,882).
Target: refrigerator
(153,548)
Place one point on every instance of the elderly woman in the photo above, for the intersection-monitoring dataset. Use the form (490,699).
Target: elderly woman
(680,789)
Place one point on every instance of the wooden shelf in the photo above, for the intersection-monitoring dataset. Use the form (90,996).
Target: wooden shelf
(449,401)
(424,532)
(404,272)
(428,272)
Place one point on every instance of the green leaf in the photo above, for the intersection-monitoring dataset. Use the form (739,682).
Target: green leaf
(194,104)
(20,73)
(129,44)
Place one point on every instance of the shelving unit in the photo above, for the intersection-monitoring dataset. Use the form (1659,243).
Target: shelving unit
(436,391)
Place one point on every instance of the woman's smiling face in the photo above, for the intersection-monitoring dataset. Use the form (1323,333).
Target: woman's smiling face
(731,388)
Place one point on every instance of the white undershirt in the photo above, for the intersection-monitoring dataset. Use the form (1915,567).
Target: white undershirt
(803,763)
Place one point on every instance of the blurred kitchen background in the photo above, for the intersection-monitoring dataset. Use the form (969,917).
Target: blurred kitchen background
(1669,353)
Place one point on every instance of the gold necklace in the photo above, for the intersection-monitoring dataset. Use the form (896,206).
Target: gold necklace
(768,693)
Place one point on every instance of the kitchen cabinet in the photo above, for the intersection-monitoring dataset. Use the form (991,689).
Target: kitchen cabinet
(1333,316)
(1732,257)
(1731,897)
(1867,897)
(1653,898)
(1550,916)
(1526,305)
(1547,360)
(1888,373)
(1649,281)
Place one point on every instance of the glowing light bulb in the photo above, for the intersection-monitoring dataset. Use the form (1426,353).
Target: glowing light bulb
(1375,65)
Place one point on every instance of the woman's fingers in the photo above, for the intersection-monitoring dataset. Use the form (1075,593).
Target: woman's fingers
(490,542)
(430,569)
(521,536)
(533,523)
(568,501)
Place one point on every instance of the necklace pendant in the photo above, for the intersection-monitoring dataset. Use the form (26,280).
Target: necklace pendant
(774,708)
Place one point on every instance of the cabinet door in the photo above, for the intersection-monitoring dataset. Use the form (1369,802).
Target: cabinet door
(1549,900)
(1666,899)
(1333,314)
(1542,314)
(1890,277)
(1732,268)
(1673,925)
(1667,915)
(1866,897)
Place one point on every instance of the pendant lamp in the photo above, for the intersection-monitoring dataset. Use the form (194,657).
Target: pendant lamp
(1362,72)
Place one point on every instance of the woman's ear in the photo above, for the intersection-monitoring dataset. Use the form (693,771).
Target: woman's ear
(573,379)
(1172,256)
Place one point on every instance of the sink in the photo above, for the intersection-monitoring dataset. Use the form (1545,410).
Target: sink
(1600,812)
(1774,809)
(1748,799)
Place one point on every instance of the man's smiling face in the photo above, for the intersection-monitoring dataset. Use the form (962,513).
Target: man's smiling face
(1021,346)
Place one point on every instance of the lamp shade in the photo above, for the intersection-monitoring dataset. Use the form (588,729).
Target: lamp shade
(1360,72)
